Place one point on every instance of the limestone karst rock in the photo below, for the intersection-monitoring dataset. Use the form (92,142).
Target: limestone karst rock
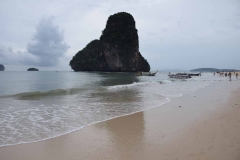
(2,68)
(116,51)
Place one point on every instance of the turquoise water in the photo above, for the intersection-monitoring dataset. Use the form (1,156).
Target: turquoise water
(39,105)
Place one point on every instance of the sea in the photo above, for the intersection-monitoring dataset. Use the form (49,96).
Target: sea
(36,106)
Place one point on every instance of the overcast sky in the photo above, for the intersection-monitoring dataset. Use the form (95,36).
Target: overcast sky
(173,34)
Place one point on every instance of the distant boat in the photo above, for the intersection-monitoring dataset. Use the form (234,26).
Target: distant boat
(180,76)
(194,74)
(146,73)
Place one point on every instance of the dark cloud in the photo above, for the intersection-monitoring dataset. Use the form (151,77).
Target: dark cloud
(48,43)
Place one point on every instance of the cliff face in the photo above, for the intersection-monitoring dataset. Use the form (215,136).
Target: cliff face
(117,50)
(2,68)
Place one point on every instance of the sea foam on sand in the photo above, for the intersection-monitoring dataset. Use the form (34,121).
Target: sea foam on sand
(206,126)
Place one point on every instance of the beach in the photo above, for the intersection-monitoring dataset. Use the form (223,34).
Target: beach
(110,80)
(204,124)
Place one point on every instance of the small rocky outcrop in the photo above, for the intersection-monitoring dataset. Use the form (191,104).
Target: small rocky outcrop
(2,68)
(116,51)
(33,69)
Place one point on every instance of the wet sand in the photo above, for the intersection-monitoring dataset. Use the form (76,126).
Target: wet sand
(202,125)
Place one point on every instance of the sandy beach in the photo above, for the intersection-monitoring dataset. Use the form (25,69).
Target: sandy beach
(202,125)
(119,80)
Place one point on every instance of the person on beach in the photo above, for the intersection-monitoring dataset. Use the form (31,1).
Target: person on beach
(230,76)
(236,75)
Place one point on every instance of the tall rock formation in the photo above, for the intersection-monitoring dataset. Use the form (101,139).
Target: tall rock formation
(2,68)
(116,51)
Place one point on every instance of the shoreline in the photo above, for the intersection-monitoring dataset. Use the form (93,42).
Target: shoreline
(95,123)
(141,135)
(78,129)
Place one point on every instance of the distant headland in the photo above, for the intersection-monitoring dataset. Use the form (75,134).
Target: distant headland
(2,68)
(116,51)
(212,70)
(33,69)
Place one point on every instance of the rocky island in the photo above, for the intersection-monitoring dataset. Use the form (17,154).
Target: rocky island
(116,51)
(212,70)
(2,68)
(33,69)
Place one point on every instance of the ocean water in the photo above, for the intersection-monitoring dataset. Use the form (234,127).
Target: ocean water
(40,105)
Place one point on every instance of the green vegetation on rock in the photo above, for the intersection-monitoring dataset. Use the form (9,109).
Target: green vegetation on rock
(120,30)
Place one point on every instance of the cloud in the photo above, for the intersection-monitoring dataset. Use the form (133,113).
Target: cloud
(48,43)
(180,29)
(9,56)
(237,27)
(45,49)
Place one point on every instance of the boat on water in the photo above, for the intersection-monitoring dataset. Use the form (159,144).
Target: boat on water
(180,76)
(146,73)
(194,74)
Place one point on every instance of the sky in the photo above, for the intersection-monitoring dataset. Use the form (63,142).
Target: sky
(173,34)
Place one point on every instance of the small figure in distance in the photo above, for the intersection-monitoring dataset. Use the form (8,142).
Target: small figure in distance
(214,73)
(236,75)
(230,76)
(225,74)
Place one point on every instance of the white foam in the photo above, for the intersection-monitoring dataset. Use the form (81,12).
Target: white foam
(133,85)
(166,81)
(73,130)
(33,121)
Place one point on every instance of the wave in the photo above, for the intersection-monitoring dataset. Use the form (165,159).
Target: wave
(71,91)
(166,100)
(145,95)
(41,94)
(138,84)
(36,95)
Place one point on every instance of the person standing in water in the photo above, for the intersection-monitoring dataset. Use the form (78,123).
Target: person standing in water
(230,76)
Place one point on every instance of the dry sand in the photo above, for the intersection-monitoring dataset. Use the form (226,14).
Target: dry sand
(205,127)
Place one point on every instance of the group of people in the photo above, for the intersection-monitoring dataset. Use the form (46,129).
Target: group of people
(229,74)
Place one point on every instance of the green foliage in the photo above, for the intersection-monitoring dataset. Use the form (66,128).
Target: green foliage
(120,30)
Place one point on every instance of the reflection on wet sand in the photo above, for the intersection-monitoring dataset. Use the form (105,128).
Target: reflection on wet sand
(125,136)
